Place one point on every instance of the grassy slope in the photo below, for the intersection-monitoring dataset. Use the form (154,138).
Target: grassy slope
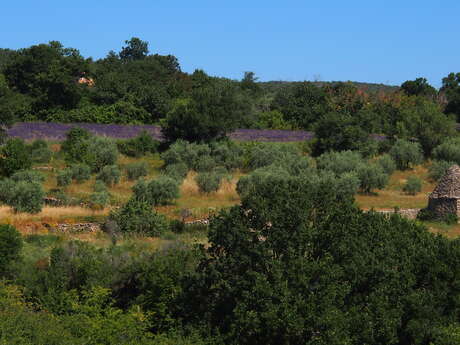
(201,205)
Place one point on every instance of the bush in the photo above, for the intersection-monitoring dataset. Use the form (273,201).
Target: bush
(340,162)
(40,151)
(75,146)
(177,226)
(438,169)
(137,216)
(406,154)
(450,219)
(160,191)
(81,172)
(448,151)
(426,215)
(6,190)
(208,182)
(14,156)
(227,154)
(99,187)
(64,177)
(387,163)
(138,146)
(177,171)
(184,152)
(110,175)
(262,155)
(205,163)
(99,200)
(348,183)
(101,152)
(137,170)
(413,185)
(371,176)
(10,247)
(27,197)
(28,176)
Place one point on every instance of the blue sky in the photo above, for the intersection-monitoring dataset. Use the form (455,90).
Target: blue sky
(372,41)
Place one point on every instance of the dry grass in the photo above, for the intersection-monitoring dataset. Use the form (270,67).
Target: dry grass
(393,196)
(202,205)
(33,223)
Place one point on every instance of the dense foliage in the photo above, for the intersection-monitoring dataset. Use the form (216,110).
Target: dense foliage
(49,82)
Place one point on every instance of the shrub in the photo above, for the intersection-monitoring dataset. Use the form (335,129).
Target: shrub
(28,176)
(448,151)
(205,163)
(160,191)
(426,215)
(14,156)
(339,162)
(438,169)
(6,190)
(371,176)
(348,183)
(64,177)
(177,171)
(262,155)
(227,154)
(184,152)
(99,200)
(208,182)
(413,185)
(137,216)
(40,151)
(99,187)
(10,246)
(406,154)
(110,175)
(387,163)
(81,172)
(296,165)
(138,146)
(27,197)
(136,170)
(75,146)
(223,173)
(101,152)
(177,226)
(450,219)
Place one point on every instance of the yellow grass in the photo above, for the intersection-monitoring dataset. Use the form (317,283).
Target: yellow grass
(393,195)
(49,215)
(202,205)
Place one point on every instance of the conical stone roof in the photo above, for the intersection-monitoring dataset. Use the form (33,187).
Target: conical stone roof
(449,184)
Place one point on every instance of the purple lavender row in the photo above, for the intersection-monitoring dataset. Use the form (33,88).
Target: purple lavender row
(57,131)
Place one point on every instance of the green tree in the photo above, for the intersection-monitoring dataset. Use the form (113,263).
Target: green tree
(418,87)
(48,74)
(10,247)
(138,217)
(302,105)
(27,197)
(14,156)
(296,264)
(338,132)
(406,154)
(135,49)
(208,114)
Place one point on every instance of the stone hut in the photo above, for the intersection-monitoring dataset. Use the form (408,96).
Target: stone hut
(445,199)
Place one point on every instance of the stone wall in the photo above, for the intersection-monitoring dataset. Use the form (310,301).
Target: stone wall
(410,213)
(443,206)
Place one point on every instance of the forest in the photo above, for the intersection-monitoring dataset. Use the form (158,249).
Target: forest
(195,237)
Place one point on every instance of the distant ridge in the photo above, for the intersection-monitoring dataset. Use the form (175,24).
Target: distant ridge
(275,85)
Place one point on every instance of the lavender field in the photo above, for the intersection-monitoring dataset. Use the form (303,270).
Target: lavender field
(57,131)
